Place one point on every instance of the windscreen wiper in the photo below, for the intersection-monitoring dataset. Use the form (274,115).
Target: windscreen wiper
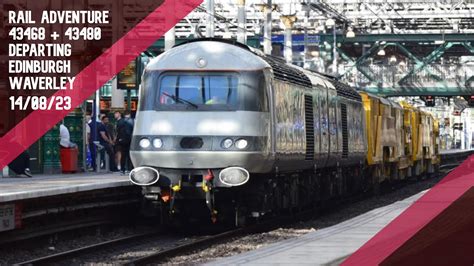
(177,99)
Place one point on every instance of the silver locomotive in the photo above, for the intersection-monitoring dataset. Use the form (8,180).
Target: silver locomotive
(220,122)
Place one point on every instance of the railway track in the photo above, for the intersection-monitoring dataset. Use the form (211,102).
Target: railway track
(56,229)
(166,246)
(74,253)
(164,254)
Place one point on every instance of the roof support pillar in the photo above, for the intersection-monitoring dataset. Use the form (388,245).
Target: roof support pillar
(170,39)
(267,32)
(210,18)
(334,52)
(117,101)
(241,19)
(288,21)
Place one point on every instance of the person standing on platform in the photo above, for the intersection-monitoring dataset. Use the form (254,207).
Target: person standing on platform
(118,146)
(102,151)
(106,141)
(92,136)
(113,136)
(65,137)
(128,118)
(124,138)
(90,141)
(21,164)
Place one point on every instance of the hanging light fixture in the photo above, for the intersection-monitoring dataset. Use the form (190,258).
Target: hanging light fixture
(392,59)
(350,33)
(330,22)
(381,52)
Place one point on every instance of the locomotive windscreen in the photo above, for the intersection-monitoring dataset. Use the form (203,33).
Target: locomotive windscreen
(198,89)
(205,91)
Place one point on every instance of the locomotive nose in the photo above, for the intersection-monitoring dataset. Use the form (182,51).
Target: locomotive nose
(144,176)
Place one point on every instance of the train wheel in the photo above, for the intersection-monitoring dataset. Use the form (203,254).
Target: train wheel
(377,178)
(240,217)
(367,179)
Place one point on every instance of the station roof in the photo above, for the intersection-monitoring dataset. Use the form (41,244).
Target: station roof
(427,45)
(363,16)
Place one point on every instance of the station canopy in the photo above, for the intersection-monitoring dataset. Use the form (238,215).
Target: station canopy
(388,47)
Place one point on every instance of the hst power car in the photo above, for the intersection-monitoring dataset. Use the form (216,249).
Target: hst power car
(223,126)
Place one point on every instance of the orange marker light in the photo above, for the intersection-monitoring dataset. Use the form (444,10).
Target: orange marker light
(209,175)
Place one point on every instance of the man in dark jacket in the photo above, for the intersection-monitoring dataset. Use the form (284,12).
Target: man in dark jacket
(91,138)
(106,140)
(124,138)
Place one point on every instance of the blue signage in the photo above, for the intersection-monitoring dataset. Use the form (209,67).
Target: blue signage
(298,39)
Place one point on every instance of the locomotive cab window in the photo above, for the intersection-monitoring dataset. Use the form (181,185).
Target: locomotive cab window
(198,90)
(211,91)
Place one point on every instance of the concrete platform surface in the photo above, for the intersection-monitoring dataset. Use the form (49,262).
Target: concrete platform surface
(453,151)
(16,188)
(327,246)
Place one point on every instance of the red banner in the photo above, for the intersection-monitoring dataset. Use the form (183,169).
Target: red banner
(90,78)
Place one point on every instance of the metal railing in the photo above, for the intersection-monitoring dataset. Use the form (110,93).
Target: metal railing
(387,76)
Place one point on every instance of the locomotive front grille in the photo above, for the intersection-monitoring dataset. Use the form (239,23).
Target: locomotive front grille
(191,143)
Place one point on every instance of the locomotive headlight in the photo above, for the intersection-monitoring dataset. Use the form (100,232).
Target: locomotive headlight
(144,143)
(157,143)
(144,176)
(241,144)
(234,176)
(227,143)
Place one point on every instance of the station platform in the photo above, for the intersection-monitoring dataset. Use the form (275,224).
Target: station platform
(15,188)
(432,227)
(328,246)
(452,151)
(454,156)
(29,203)
(456,151)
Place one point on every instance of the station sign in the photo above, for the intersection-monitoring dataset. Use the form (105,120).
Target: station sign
(105,104)
(429,100)
(297,39)
(458,126)
(10,217)
(127,78)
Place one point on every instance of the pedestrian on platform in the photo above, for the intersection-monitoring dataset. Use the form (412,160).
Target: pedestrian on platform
(128,118)
(117,147)
(107,142)
(92,136)
(111,130)
(102,151)
(65,137)
(21,164)
(124,138)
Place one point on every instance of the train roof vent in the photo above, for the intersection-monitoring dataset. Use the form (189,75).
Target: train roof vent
(345,90)
(283,71)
